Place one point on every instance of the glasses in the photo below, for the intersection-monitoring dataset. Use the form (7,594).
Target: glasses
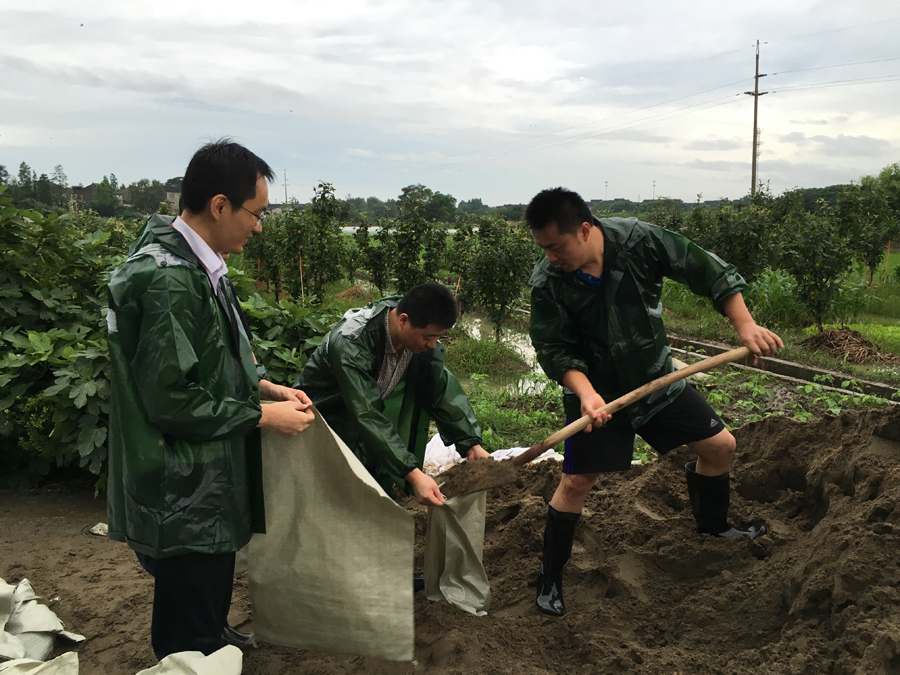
(259,218)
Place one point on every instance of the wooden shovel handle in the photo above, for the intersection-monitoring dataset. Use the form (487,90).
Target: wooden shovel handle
(629,398)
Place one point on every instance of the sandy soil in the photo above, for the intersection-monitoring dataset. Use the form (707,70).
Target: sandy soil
(820,594)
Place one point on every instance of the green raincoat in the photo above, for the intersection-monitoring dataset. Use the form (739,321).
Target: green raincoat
(184,454)
(616,336)
(387,436)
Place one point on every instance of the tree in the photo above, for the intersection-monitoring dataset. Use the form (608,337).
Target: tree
(867,221)
(105,201)
(511,212)
(4,175)
(473,207)
(309,248)
(146,195)
(493,259)
(817,255)
(60,184)
(25,182)
(43,190)
(409,238)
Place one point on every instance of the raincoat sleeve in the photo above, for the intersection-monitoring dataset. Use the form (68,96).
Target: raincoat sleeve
(449,407)
(352,365)
(703,272)
(167,363)
(553,334)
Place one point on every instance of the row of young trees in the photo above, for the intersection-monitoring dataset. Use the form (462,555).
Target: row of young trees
(817,247)
(303,250)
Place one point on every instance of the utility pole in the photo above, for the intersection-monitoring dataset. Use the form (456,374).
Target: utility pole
(756,93)
(654,190)
(285,188)
(606,194)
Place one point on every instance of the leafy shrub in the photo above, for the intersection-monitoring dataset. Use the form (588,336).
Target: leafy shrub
(54,364)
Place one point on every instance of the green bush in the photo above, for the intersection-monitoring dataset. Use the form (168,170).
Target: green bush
(54,364)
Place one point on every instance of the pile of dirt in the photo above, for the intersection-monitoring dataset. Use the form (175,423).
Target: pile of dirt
(646,594)
(844,343)
(354,293)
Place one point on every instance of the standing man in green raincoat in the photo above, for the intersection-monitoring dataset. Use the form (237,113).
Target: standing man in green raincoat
(596,325)
(184,481)
(379,377)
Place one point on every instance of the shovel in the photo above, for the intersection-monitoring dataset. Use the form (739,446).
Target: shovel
(471,477)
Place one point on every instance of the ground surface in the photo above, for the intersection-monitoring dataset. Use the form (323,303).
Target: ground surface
(820,594)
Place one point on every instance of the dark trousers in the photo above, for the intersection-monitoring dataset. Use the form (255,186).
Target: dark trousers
(191,599)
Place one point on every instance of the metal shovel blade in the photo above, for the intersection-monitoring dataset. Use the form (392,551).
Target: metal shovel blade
(482,474)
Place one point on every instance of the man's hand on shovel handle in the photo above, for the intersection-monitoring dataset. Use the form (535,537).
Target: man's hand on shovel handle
(591,401)
(760,341)
(590,405)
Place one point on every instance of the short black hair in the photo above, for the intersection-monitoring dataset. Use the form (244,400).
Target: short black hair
(557,205)
(427,304)
(222,168)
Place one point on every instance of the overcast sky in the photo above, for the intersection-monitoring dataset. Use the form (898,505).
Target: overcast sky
(495,100)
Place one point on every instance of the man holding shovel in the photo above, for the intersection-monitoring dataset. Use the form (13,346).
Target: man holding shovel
(596,325)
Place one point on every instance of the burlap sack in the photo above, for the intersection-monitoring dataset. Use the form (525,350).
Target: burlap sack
(334,569)
(454,546)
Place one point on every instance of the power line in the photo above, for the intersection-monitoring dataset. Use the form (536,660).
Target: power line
(837,65)
(832,30)
(842,83)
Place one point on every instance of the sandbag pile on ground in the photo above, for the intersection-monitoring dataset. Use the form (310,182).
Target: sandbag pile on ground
(28,629)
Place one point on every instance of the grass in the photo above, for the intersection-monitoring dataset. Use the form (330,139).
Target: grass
(520,415)
(467,356)
(517,416)
(690,316)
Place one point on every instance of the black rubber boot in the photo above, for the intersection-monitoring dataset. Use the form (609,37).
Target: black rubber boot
(559,533)
(418,583)
(710,498)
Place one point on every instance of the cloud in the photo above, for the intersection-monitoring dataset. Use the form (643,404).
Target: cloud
(637,136)
(795,137)
(360,153)
(816,122)
(716,166)
(715,145)
(840,145)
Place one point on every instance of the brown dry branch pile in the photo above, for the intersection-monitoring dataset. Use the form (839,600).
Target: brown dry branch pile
(844,343)
(646,594)
(354,293)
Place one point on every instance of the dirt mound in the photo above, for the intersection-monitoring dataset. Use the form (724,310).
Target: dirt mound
(646,594)
(354,293)
(844,343)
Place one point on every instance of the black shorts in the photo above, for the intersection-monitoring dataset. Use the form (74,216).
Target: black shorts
(687,419)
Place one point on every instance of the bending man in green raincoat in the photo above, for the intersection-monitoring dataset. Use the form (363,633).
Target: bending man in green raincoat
(184,482)
(379,377)
(596,325)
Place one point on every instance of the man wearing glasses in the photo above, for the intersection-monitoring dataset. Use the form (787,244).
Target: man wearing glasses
(184,486)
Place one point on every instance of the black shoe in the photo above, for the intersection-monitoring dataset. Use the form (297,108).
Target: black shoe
(549,600)
(418,582)
(239,639)
(710,497)
(559,533)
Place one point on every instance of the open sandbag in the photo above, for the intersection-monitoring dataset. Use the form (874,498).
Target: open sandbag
(334,569)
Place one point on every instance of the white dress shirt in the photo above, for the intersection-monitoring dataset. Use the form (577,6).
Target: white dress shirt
(213,263)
